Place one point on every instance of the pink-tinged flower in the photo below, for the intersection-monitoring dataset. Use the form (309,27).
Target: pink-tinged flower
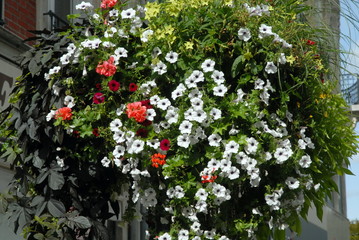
(114,85)
(107,68)
(133,87)
(108,3)
(98,86)
(98,98)
(137,111)
(165,144)
(63,113)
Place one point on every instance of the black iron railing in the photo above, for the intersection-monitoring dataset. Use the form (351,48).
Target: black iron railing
(55,21)
(2,22)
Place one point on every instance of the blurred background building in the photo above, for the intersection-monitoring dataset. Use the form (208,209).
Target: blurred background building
(17,17)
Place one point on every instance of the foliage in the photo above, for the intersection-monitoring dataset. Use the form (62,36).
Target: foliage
(354,230)
(215,115)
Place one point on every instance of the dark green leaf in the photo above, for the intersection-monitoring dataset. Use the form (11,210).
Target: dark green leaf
(56,208)
(56,180)
(236,66)
(80,222)
(46,57)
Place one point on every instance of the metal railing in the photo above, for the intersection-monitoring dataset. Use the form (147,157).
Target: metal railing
(349,84)
(55,21)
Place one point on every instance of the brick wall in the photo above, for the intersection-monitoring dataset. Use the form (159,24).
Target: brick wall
(20,16)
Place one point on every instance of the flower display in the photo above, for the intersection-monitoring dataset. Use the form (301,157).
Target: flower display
(211,115)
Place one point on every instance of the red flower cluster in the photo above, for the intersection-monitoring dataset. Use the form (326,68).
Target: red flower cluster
(137,111)
(310,42)
(108,3)
(158,159)
(63,113)
(98,98)
(165,145)
(107,68)
(208,179)
(113,85)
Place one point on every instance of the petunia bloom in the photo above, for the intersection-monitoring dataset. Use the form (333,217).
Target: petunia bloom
(165,145)
(63,113)
(114,85)
(98,98)
(108,3)
(132,87)
(137,111)
(107,68)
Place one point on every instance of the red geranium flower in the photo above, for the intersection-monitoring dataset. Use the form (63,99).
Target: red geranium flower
(133,87)
(107,68)
(63,113)
(137,111)
(158,159)
(113,85)
(165,145)
(310,42)
(98,98)
(108,3)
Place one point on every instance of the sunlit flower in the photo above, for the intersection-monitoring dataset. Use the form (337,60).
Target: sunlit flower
(244,34)
(63,113)
(108,3)
(107,68)
(270,68)
(171,57)
(98,98)
(128,13)
(114,85)
(165,145)
(208,65)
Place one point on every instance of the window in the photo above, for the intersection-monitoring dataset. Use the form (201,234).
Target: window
(1,12)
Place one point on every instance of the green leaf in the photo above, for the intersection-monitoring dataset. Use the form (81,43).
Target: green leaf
(80,222)
(279,234)
(46,57)
(56,208)
(33,67)
(237,65)
(56,180)
(39,236)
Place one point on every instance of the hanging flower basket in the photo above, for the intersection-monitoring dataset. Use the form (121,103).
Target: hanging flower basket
(216,116)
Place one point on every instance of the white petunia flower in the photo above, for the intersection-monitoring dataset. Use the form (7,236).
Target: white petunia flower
(240,95)
(183,234)
(121,52)
(119,136)
(202,194)
(220,90)
(208,65)
(282,59)
(50,115)
(218,77)
(292,183)
(201,206)
(108,44)
(105,162)
(128,13)
(282,154)
(271,68)
(195,93)
(214,140)
(213,164)
(146,34)
(136,147)
(84,6)
(183,141)
(163,104)
(69,101)
(171,57)
(154,100)
(60,161)
(165,236)
(252,145)
(154,143)
(179,192)
(231,147)
(171,116)
(156,52)
(265,31)
(115,125)
(185,127)
(160,68)
(210,234)
(219,191)
(119,151)
(65,59)
(215,113)
(244,34)
(114,13)
(259,84)
(196,227)
(197,103)
(305,161)
(150,114)
(110,32)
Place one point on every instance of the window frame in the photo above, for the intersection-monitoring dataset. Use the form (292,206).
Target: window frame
(2,12)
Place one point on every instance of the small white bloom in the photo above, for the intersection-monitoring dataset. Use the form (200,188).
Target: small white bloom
(183,234)
(305,161)
(213,164)
(282,59)
(105,162)
(218,77)
(163,104)
(185,127)
(171,116)
(240,95)
(220,90)
(84,6)
(270,68)
(60,161)
(154,143)
(265,31)
(214,140)
(171,57)
(215,113)
(160,68)
(208,65)
(137,146)
(128,13)
(156,52)
(210,234)
(154,100)
(282,154)
(202,194)
(244,34)
(292,183)
(259,84)
(231,147)
(150,114)
(179,192)
(195,93)
(165,236)
(69,101)
(252,145)
(50,115)
(183,141)
(197,103)
(121,52)
(115,125)
(146,34)
(119,151)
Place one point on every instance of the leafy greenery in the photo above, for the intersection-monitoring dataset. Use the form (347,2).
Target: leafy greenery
(216,116)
